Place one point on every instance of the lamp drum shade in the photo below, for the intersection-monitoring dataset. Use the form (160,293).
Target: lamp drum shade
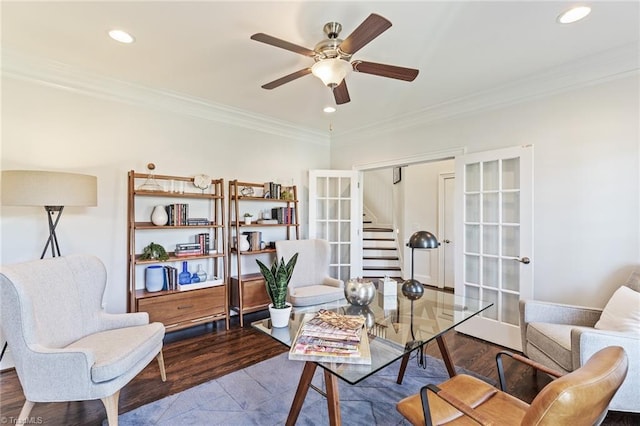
(44,188)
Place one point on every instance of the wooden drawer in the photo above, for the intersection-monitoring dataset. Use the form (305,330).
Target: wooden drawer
(254,293)
(174,309)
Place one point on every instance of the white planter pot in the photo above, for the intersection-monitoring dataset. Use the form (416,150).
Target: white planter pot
(279,317)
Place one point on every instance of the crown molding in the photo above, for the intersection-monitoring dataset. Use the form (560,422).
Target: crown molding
(596,69)
(62,76)
(612,64)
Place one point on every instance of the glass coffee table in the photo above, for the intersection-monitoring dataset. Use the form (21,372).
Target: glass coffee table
(396,326)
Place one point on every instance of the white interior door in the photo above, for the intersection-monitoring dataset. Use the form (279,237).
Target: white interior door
(446,221)
(335,215)
(494,229)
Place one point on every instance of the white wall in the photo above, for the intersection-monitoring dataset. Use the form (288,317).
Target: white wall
(47,128)
(586,178)
(420,213)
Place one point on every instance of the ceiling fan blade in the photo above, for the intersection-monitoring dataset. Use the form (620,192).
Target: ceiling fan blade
(273,41)
(390,71)
(370,28)
(287,78)
(341,94)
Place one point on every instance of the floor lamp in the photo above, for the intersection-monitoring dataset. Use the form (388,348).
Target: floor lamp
(412,288)
(51,190)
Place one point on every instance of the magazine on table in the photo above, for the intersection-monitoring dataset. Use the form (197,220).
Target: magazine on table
(327,336)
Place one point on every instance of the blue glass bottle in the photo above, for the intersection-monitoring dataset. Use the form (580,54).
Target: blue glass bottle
(185,276)
(195,278)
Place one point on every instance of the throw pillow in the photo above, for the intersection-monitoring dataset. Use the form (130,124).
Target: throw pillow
(622,312)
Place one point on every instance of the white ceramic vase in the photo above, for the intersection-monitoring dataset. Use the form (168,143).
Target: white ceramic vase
(279,317)
(159,216)
(154,278)
(243,243)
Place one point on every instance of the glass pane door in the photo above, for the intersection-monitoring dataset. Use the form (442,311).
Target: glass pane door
(335,215)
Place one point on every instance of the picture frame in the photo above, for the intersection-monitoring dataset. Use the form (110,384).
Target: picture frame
(397,174)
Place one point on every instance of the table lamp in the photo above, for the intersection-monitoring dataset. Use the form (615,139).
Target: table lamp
(51,190)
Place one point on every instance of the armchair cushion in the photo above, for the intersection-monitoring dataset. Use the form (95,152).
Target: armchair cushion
(622,312)
(117,351)
(310,282)
(554,341)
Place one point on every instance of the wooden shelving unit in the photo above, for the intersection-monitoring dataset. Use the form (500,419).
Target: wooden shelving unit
(247,290)
(177,309)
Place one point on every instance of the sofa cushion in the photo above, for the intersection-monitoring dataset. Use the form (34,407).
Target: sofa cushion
(116,351)
(633,282)
(314,295)
(553,340)
(622,312)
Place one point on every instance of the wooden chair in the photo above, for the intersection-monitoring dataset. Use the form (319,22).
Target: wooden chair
(577,398)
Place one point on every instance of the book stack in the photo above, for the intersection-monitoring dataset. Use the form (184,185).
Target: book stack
(197,221)
(327,336)
(178,214)
(272,190)
(188,249)
(170,278)
(203,240)
(284,215)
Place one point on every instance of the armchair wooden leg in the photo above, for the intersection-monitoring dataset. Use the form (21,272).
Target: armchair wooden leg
(163,372)
(111,405)
(24,413)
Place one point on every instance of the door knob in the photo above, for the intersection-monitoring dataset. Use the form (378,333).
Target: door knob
(524,260)
(446,241)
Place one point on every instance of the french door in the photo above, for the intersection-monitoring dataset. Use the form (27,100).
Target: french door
(494,224)
(335,215)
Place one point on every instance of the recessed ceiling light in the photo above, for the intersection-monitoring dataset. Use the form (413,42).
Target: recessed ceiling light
(574,14)
(329,109)
(121,36)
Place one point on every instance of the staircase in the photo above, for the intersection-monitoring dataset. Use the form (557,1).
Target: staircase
(380,253)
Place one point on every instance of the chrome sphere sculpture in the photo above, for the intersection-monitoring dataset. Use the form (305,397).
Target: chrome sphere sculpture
(359,291)
(412,289)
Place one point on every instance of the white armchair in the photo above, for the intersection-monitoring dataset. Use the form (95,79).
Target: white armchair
(563,337)
(310,283)
(65,346)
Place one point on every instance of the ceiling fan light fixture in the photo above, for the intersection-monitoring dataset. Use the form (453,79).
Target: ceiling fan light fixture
(331,71)
(574,14)
(329,109)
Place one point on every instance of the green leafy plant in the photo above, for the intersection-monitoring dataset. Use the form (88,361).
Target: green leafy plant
(248,215)
(154,252)
(277,279)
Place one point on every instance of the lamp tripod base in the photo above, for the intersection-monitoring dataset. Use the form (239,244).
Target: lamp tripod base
(53,239)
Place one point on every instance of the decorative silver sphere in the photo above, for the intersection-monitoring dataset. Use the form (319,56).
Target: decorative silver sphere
(359,292)
(366,312)
(412,289)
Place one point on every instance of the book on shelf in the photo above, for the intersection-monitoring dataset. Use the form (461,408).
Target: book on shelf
(327,336)
(194,221)
(268,221)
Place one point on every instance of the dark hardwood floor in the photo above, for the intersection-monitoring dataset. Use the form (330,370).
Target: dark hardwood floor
(203,353)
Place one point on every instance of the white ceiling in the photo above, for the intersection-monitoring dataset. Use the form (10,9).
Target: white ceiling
(464,50)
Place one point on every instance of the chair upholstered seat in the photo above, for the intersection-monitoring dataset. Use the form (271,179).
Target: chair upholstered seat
(311,283)
(472,391)
(554,341)
(119,350)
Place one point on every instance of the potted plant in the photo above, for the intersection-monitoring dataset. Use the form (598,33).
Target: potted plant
(247,218)
(154,252)
(276,280)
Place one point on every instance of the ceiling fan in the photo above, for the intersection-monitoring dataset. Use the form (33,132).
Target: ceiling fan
(332,57)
